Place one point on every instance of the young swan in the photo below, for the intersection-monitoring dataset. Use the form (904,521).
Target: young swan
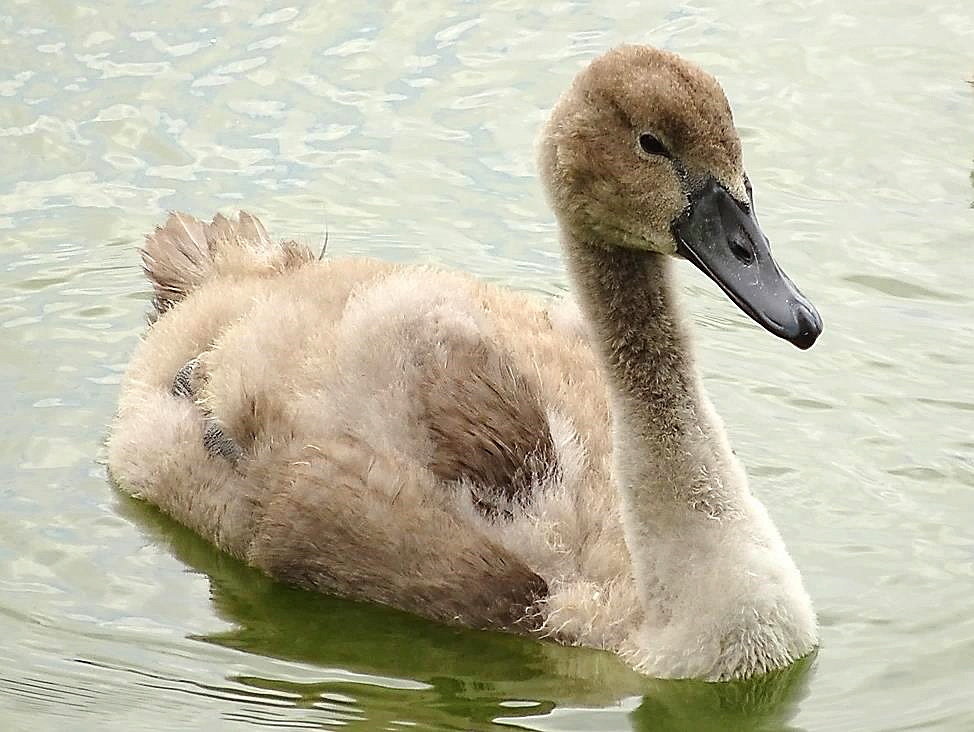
(417,438)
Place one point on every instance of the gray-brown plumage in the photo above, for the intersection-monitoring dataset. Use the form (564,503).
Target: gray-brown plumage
(418,438)
(487,427)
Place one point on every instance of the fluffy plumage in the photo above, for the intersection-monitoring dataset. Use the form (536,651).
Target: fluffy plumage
(418,438)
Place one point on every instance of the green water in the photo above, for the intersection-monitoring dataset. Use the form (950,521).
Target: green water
(407,129)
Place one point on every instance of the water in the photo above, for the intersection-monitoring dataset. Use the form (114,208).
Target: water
(407,130)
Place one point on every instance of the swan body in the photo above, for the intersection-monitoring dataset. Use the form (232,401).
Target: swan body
(415,437)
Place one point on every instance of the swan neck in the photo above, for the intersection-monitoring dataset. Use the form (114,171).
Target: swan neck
(670,455)
(629,298)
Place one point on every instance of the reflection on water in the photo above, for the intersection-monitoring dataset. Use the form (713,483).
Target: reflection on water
(450,675)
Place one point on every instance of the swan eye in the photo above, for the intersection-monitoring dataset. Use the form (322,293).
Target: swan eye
(652,146)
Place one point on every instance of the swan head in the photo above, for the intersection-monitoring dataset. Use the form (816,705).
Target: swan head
(642,153)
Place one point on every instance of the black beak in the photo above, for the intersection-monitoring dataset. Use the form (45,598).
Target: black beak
(722,237)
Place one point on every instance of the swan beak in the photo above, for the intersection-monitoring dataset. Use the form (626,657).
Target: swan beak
(722,237)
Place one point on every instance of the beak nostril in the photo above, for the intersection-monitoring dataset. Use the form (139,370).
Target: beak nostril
(744,254)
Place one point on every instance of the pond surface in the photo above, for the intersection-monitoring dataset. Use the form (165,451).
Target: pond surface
(407,129)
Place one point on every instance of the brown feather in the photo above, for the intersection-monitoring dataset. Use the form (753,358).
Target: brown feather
(328,526)
(487,427)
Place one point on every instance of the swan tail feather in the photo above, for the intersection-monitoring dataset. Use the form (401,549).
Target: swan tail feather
(182,254)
